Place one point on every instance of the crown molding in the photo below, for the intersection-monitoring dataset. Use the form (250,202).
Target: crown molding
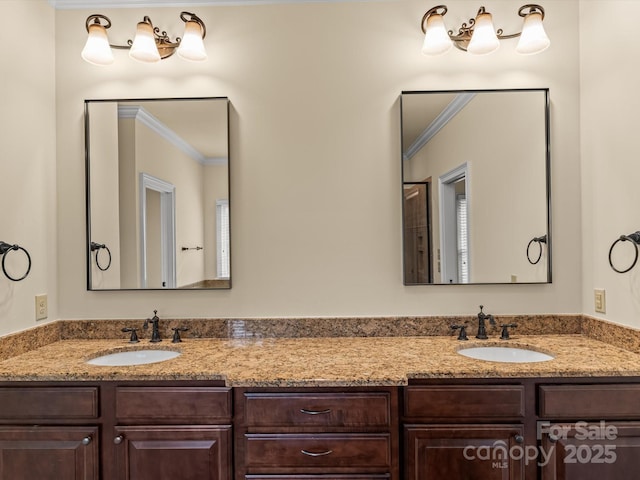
(455,106)
(154,124)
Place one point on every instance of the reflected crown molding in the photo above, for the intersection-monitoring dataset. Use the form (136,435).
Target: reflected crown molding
(444,117)
(147,119)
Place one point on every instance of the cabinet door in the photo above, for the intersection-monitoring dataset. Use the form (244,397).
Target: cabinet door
(194,452)
(60,453)
(469,452)
(591,451)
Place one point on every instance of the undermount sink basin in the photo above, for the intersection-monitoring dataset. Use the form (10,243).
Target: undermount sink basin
(505,354)
(133,357)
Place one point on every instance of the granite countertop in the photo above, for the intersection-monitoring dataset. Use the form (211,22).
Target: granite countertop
(338,361)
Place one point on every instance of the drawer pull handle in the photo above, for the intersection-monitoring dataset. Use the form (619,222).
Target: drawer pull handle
(315,412)
(316,454)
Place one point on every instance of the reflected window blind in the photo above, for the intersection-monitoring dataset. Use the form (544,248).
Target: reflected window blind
(222,239)
(463,251)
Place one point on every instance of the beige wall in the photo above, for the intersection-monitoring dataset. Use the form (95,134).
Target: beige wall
(28,158)
(315,153)
(610,161)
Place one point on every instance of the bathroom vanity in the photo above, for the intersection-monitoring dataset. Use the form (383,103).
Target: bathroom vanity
(337,408)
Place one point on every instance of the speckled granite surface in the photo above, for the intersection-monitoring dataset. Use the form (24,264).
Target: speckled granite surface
(332,361)
(321,351)
(321,327)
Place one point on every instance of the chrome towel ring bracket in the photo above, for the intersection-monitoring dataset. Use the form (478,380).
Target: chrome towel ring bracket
(5,248)
(96,247)
(634,238)
(539,241)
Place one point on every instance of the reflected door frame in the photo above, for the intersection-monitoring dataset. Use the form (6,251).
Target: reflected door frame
(448,222)
(167,228)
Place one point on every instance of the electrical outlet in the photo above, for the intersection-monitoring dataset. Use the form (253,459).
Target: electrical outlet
(599,301)
(42,307)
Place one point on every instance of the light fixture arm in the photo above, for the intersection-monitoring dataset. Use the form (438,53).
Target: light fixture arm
(465,31)
(192,17)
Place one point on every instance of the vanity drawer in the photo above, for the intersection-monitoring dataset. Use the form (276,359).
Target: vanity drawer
(371,409)
(50,403)
(317,453)
(173,405)
(465,401)
(596,402)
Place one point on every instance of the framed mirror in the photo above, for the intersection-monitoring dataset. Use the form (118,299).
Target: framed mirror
(157,189)
(476,187)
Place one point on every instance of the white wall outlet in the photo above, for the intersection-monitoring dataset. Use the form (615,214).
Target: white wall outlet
(599,301)
(42,307)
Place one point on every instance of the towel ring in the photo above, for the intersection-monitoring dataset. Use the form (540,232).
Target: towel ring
(5,248)
(539,241)
(634,238)
(97,247)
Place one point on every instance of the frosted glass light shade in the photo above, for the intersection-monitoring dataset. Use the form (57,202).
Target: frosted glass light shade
(97,50)
(484,39)
(436,38)
(533,39)
(191,46)
(144,48)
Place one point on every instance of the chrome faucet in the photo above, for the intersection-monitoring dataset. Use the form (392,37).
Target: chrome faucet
(482,331)
(155,334)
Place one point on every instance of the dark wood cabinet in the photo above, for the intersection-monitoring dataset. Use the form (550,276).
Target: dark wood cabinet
(320,434)
(49,452)
(464,431)
(181,432)
(590,451)
(472,452)
(195,452)
(589,431)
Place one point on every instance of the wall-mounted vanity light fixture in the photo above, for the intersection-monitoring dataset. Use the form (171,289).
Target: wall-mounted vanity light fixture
(634,238)
(479,37)
(150,45)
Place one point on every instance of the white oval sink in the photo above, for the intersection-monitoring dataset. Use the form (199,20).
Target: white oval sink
(133,357)
(505,354)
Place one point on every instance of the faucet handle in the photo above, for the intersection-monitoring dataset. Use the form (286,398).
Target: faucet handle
(505,330)
(134,335)
(463,331)
(176,334)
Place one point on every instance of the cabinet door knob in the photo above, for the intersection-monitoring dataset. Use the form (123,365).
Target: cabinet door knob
(519,439)
(87,440)
(118,440)
(316,454)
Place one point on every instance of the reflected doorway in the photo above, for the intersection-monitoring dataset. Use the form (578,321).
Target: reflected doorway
(157,233)
(454,233)
(418,261)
